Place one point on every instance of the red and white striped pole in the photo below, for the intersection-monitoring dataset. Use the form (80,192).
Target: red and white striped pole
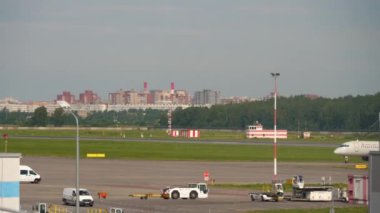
(275,75)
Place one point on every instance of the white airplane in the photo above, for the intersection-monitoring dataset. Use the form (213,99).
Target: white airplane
(357,148)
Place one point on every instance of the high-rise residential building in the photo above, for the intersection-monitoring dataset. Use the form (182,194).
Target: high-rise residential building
(181,97)
(143,97)
(89,97)
(116,97)
(146,96)
(206,97)
(128,97)
(131,97)
(66,96)
(160,96)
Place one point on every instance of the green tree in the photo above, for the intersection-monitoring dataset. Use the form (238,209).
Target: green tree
(58,117)
(40,117)
(293,113)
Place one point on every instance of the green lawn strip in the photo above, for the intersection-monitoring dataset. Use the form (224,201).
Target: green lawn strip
(356,209)
(172,150)
(230,135)
(104,133)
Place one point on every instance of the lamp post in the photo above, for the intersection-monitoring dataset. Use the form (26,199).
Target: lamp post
(275,76)
(67,106)
(5,136)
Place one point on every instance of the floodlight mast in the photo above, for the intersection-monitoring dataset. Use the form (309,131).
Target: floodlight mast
(275,76)
(64,104)
(67,107)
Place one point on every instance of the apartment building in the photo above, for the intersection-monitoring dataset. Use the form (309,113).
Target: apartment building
(206,96)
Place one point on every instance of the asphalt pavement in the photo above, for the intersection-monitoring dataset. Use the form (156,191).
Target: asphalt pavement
(119,178)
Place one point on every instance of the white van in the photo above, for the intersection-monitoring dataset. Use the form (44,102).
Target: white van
(69,197)
(27,174)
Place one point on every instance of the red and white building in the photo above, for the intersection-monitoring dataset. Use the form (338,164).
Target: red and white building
(187,133)
(257,131)
(191,133)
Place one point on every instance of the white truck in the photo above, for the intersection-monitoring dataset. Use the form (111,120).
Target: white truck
(69,197)
(192,191)
(27,174)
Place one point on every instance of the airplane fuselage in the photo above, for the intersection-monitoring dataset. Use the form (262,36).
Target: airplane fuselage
(357,148)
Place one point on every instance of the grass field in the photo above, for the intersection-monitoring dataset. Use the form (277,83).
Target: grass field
(230,135)
(172,150)
(177,151)
(168,151)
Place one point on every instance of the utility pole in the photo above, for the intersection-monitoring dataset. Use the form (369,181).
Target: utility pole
(67,106)
(275,76)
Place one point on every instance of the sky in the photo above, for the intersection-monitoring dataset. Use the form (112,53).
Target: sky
(330,47)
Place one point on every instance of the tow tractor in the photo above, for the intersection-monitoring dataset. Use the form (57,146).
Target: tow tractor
(276,194)
(192,191)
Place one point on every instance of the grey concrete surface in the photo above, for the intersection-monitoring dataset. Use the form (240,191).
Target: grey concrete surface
(119,178)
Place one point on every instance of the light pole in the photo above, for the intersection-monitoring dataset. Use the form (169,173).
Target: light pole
(67,106)
(5,136)
(275,75)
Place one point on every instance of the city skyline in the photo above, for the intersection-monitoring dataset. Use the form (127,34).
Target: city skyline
(106,98)
(325,48)
(131,96)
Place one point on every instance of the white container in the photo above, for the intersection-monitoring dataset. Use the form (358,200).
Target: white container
(319,195)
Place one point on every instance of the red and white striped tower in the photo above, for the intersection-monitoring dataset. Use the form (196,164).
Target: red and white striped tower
(172,88)
(275,75)
(145,87)
(170,110)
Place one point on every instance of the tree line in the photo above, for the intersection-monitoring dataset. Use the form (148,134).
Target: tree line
(294,113)
(41,118)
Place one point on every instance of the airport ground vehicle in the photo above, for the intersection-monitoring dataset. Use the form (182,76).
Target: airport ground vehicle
(315,193)
(27,174)
(276,194)
(301,193)
(192,191)
(46,208)
(40,208)
(149,195)
(69,197)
